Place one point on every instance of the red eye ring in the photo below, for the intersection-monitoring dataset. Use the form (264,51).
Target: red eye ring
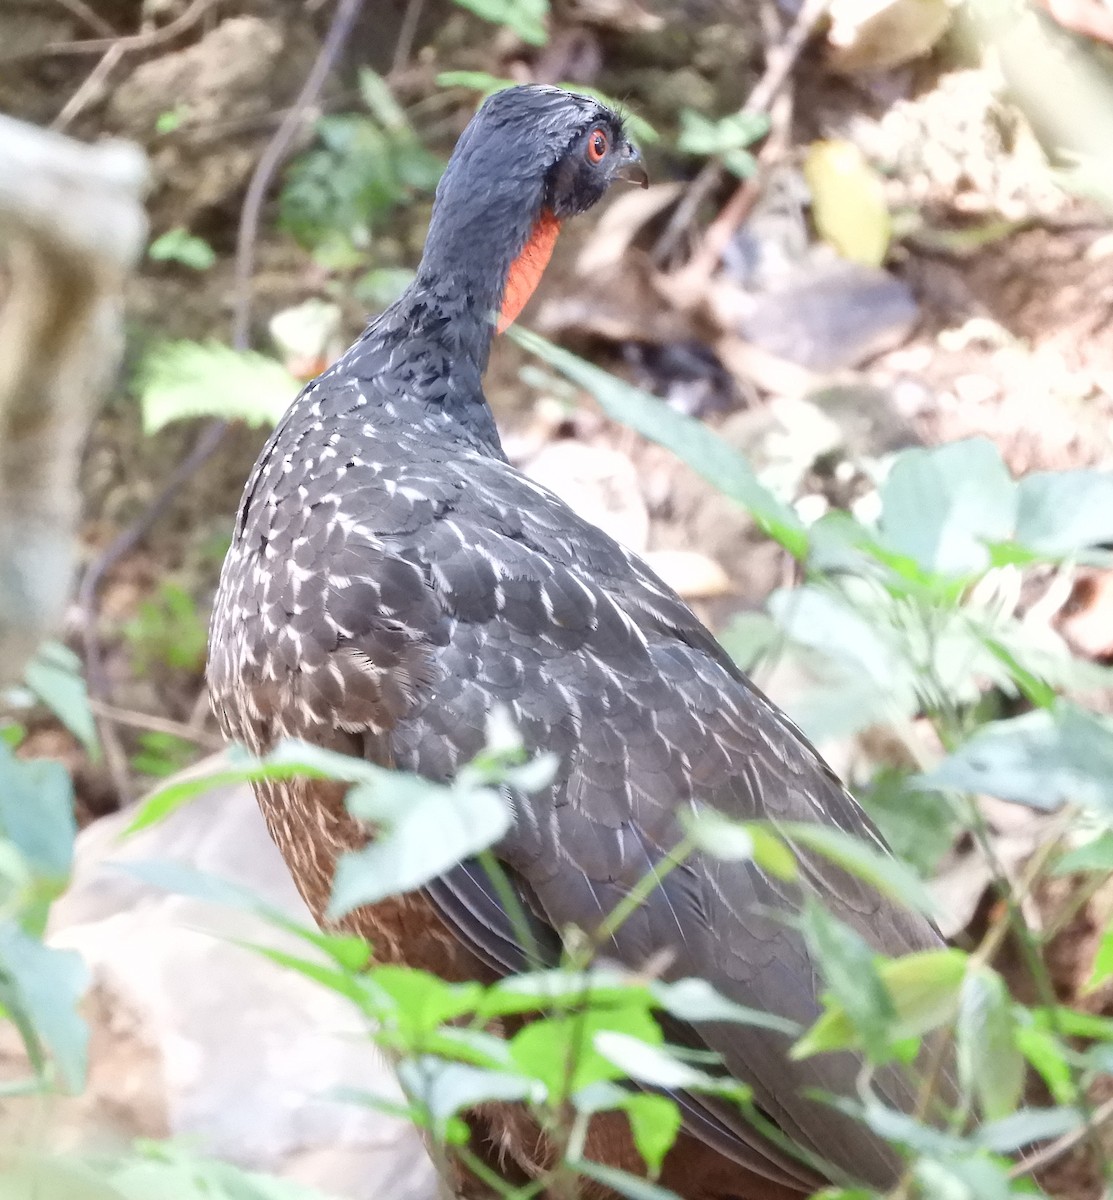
(597,145)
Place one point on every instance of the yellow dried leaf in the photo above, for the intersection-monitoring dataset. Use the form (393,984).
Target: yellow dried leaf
(848,202)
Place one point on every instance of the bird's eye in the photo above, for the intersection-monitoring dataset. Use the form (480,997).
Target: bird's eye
(597,145)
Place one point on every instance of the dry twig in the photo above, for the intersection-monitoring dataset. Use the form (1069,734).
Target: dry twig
(211,436)
(779,61)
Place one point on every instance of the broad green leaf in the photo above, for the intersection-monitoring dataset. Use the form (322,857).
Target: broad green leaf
(290,759)
(941,507)
(420,1002)
(823,619)
(525,17)
(1047,1054)
(559,988)
(622,1182)
(849,968)
(27,1176)
(36,812)
(654,1122)
(924,989)
(848,201)
(1096,855)
(725,138)
(905,1130)
(429,829)
(1103,960)
(180,246)
(692,441)
(656,1066)
(172,1172)
(182,380)
(54,675)
(349,952)
(1043,759)
(1020,1129)
(560,1051)
(654,1119)
(963,1178)
(47,985)
(447,1088)
(870,862)
(739,841)
(1063,512)
(696,1000)
(989,1064)
(918,824)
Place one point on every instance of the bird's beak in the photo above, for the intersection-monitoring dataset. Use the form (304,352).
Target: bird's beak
(632,171)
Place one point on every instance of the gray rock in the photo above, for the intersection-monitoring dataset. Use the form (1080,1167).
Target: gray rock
(195,1036)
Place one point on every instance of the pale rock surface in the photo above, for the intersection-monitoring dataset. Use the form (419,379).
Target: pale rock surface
(196,1037)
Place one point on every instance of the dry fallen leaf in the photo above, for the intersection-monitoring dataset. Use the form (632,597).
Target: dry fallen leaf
(848,202)
(875,35)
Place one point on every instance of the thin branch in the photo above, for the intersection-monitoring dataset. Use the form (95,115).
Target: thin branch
(153,724)
(1063,1145)
(136,41)
(80,10)
(779,62)
(211,436)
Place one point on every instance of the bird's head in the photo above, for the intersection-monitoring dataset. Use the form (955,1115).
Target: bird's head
(530,158)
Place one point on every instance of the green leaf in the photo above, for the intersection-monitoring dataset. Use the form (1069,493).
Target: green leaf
(924,989)
(968,1178)
(695,1000)
(722,137)
(29,1176)
(526,18)
(1020,1129)
(1062,512)
(1043,759)
(180,246)
(182,380)
(849,967)
(871,863)
(349,952)
(447,1088)
(692,441)
(429,829)
(560,1051)
(1047,1054)
(989,1064)
(1103,960)
(1096,855)
(622,1182)
(918,824)
(47,984)
(941,507)
(36,812)
(654,1120)
(420,1002)
(656,1066)
(290,759)
(54,675)
(739,841)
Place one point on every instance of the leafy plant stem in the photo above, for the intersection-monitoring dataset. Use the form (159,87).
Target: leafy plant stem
(641,891)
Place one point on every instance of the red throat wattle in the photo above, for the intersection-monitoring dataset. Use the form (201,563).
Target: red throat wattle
(526,270)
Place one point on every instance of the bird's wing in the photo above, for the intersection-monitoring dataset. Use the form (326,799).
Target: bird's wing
(600,662)
(463,585)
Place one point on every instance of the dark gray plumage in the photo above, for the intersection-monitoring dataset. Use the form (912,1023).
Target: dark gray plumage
(392,578)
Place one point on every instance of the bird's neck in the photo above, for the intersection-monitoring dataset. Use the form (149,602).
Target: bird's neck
(474,278)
